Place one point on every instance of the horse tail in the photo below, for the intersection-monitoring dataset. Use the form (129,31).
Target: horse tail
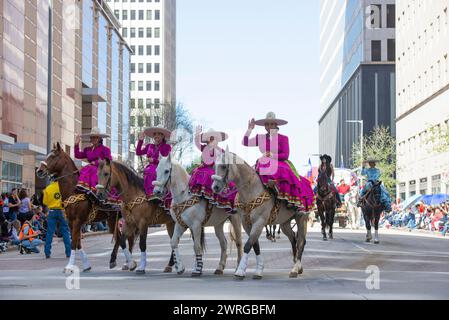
(203,240)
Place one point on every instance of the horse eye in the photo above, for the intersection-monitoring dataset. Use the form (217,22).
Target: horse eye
(167,171)
(106,174)
(223,167)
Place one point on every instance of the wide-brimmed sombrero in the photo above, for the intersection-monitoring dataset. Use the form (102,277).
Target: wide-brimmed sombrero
(95,132)
(271,117)
(158,129)
(218,135)
(327,157)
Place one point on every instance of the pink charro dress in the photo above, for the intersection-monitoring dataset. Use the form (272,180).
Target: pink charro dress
(88,174)
(200,183)
(152,151)
(292,187)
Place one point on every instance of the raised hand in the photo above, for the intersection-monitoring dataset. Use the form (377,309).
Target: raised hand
(141,135)
(199,129)
(77,139)
(251,124)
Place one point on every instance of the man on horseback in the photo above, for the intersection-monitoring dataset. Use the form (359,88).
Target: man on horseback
(200,183)
(327,168)
(274,168)
(373,176)
(159,147)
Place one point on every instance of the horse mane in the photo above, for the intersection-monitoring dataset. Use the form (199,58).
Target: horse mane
(130,175)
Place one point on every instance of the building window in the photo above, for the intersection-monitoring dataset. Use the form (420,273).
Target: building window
(149,15)
(124,14)
(148,50)
(391,49)
(156,85)
(133,49)
(148,32)
(157,67)
(140,86)
(148,103)
(376,50)
(391,16)
(133,85)
(133,68)
(156,120)
(157,15)
(148,67)
(141,50)
(140,32)
(133,103)
(148,85)
(140,103)
(140,121)
(157,103)
(132,139)
(117,14)
(132,121)
(148,121)
(125,32)
(157,32)
(140,67)
(11,176)
(133,14)
(133,32)
(141,12)
(157,50)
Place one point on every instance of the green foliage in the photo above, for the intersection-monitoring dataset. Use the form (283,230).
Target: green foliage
(193,165)
(379,145)
(438,138)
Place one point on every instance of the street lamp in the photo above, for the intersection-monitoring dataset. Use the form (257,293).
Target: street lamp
(361,137)
(50,74)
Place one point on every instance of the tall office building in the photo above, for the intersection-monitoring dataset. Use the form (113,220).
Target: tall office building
(357,72)
(90,82)
(149,26)
(423,95)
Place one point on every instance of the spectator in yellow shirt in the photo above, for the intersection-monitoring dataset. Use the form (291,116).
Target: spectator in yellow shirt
(52,199)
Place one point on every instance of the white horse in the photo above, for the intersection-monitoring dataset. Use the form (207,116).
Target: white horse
(193,213)
(260,210)
(351,199)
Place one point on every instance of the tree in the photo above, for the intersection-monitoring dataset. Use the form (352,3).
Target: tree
(379,145)
(192,166)
(438,138)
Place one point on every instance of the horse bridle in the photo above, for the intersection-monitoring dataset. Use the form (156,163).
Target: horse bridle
(52,176)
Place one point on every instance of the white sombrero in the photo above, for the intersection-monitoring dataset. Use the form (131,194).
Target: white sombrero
(218,135)
(158,129)
(271,117)
(95,132)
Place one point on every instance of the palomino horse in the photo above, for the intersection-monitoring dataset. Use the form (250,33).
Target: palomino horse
(259,209)
(78,209)
(351,199)
(326,204)
(139,213)
(372,209)
(193,213)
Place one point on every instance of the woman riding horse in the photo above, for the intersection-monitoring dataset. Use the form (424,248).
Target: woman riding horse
(200,183)
(327,167)
(160,147)
(274,168)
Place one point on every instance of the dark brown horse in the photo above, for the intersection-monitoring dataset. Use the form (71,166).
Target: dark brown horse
(80,210)
(139,213)
(372,209)
(326,205)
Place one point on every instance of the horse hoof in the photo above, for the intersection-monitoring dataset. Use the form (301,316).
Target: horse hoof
(168,269)
(301,271)
(196,274)
(67,270)
(181,272)
(376,241)
(218,272)
(368,240)
(140,271)
(87,269)
(257,277)
(324,239)
(331,236)
(112,265)
(125,268)
(134,266)
(239,277)
(293,275)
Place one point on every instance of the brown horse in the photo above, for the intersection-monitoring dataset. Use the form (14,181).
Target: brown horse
(139,213)
(326,205)
(78,211)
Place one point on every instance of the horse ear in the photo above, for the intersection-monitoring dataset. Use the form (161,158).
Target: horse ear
(108,161)
(58,146)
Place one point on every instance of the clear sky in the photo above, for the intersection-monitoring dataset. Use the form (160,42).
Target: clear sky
(238,59)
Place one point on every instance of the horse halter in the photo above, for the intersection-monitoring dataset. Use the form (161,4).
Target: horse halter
(164,186)
(53,177)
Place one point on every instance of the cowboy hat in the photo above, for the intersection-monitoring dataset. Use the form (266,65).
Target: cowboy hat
(271,117)
(95,132)
(327,157)
(371,160)
(218,135)
(152,130)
